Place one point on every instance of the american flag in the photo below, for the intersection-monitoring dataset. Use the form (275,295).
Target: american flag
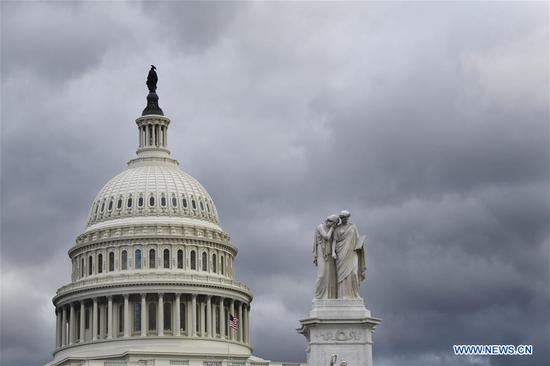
(233,322)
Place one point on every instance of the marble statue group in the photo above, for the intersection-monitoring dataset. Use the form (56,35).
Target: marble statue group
(339,254)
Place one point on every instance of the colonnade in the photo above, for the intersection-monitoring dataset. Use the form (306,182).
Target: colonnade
(151,314)
(153,135)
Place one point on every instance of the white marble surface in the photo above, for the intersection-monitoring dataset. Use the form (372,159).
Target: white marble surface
(339,327)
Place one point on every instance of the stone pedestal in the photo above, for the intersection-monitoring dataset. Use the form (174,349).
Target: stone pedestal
(339,327)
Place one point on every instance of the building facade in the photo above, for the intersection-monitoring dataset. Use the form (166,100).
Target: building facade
(153,279)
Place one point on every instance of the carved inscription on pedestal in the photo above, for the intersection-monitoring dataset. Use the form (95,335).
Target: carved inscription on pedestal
(339,336)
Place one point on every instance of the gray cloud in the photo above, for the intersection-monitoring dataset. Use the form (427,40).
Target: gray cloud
(427,121)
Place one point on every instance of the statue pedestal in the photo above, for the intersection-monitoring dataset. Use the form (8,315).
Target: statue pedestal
(339,327)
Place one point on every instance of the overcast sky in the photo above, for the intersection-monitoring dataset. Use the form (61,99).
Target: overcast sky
(428,121)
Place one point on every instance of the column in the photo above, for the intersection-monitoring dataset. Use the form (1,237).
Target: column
(189,317)
(64,326)
(94,320)
(146,129)
(214,319)
(82,331)
(240,333)
(222,319)
(161,136)
(109,317)
(194,315)
(126,316)
(202,306)
(57,328)
(143,315)
(102,321)
(177,316)
(165,136)
(246,328)
(160,312)
(232,312)
(71,324)
(154,129)
(209,316)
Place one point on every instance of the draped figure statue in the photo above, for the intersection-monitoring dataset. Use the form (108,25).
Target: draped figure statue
(349,253)
(325,285)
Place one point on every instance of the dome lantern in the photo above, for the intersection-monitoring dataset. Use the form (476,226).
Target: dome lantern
(152,128)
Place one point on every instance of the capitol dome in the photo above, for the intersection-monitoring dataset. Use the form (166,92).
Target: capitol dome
(158,189)
(153,280)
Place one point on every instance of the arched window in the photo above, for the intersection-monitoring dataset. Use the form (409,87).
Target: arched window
(180,258)
(129,203)
(221,265)
(152,261)
(103,206)
(90,266)
(166,258)
(184,202)
(207,207)
(120,318)
(152,316)
(137,317)
(119,204)
(202,206)
(111,261)
(152,201)
(137,259)
(194,204)
(163,201)
(214,264)
(124,260)
(100,263)
(204,261)
(174,201)
(110,205)
(167,316)
(140,201)
(82,267)
(193,260)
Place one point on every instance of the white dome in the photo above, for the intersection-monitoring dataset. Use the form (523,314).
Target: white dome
(157,189)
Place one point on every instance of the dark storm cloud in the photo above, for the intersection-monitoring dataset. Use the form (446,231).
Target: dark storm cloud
(427,121)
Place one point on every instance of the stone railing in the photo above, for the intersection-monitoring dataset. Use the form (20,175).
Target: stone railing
(144,278)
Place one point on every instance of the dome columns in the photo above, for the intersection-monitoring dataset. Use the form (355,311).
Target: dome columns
(94,319)
(160,313)
(209,328)
(82,325)
(153,136)
(129,316)
(109,317)
(126,316)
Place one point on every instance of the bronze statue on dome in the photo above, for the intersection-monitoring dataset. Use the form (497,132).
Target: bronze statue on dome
(152,80)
